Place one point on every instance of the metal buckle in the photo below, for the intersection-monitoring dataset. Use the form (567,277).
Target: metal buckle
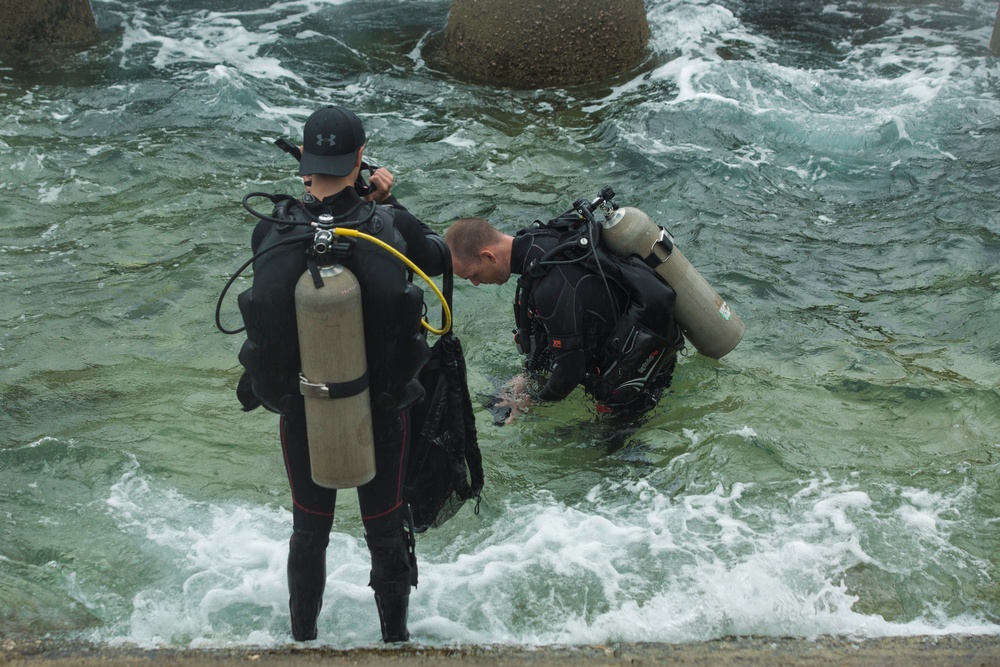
(666,243)
(312,389)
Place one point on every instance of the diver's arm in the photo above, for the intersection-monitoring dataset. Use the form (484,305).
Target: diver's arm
(422,245)
(567,372)
(382,180)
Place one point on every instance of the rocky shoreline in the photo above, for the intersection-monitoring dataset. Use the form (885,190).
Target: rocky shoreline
(940,651)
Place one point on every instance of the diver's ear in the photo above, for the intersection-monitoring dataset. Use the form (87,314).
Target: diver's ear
(488,256)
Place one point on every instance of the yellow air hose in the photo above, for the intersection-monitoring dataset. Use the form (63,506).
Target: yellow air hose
(353,233)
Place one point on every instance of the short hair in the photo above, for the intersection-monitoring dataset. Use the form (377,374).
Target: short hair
(468,236)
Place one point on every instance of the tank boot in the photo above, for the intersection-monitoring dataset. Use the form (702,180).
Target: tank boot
(306,581)
(393,574)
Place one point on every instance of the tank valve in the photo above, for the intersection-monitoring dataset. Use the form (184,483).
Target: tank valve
(322,241)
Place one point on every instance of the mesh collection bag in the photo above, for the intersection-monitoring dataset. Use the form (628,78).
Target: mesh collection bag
(446,466)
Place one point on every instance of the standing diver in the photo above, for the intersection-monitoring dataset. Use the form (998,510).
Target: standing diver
(583,316)
(395,349)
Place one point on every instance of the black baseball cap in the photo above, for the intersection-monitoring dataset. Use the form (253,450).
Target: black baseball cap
(330,142)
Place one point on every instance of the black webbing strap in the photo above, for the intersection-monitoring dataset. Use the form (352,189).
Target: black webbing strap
(349,388)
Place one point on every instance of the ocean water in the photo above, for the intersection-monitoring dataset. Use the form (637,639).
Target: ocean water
(832,169)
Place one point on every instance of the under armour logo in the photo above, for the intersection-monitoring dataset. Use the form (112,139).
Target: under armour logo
(329,140)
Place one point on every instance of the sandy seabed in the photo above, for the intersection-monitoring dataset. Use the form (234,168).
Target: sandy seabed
(942,651)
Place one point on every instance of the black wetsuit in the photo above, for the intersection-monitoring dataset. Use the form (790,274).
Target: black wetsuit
(383,509)
(579,309)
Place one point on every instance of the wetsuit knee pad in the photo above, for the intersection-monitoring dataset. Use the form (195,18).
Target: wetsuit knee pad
(307,544)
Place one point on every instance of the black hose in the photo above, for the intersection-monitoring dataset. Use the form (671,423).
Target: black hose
(232,279)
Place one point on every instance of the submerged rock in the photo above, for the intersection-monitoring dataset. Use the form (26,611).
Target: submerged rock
(532,44)
(47,22)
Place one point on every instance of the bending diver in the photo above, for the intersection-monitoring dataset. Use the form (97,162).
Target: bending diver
(604,305)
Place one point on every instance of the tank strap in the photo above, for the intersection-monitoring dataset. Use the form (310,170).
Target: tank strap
(333,389)
(661,250)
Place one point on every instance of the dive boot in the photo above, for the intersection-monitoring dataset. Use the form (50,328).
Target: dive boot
(392,617)
(306,581)
(394,573)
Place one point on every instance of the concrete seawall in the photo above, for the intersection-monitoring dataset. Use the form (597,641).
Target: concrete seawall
(940,651)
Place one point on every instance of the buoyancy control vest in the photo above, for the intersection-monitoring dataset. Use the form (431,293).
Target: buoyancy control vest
(392,306)
(641,345)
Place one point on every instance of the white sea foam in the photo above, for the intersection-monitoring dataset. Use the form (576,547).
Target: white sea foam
(219,39)
(626,564)
(50,194)
(893,82)
(459,141)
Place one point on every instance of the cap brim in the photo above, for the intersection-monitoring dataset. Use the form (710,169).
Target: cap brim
(331,165)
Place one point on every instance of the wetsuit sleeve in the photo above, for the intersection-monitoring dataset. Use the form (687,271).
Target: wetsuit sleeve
(423,246)
(567,372)
(393,202)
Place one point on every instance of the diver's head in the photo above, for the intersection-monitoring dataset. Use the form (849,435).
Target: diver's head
(332,142)
(480,253)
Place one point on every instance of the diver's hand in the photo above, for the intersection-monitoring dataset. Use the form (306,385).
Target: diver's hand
(382,180)
(514,395)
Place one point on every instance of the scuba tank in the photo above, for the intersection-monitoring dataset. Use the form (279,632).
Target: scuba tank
(705,318)
(334,380)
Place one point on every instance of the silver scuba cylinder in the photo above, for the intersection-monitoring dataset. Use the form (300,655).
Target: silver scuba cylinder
(334,380)
(704,317)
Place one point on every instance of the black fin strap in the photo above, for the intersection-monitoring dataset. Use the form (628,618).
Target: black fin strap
(384,550)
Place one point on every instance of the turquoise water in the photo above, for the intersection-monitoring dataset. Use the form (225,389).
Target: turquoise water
(831,169)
